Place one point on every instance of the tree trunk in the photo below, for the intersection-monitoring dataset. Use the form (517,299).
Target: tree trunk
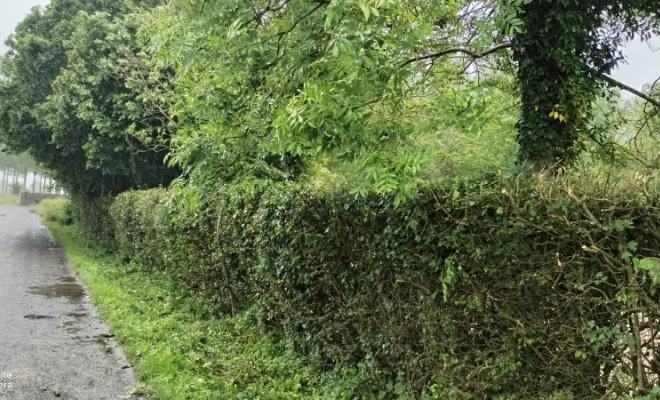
(555,93)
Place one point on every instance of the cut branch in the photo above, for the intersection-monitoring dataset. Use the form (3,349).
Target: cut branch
(453,50)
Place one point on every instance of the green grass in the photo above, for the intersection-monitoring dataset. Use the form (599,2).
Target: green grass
(176,355)
(53,210)
(10,199)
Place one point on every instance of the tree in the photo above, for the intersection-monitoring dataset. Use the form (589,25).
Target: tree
(63,102)
(564,52)
(317,79)
(265,83)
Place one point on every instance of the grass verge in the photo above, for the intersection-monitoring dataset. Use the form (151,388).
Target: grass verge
(10,199)
(177,355)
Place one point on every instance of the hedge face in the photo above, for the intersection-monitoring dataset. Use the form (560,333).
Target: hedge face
(94,217)
(484,291)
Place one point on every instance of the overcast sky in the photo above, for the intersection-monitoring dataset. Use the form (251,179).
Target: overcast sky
(11,13)
(643,62)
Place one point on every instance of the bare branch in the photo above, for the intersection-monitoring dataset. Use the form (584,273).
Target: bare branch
(508,45)
(627,88)
(452,50)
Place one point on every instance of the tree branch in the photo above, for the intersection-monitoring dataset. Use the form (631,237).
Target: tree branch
(469,52)
(282,34)
(302,17)
(627,88)
(509,45)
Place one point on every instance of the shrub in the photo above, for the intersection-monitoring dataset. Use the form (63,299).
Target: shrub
(16,188)
(507,289)
(57,210)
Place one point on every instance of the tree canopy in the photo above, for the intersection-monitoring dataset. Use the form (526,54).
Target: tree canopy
(349,77)
(65,101)
(102,93)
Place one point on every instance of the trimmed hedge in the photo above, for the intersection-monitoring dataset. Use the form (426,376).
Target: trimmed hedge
(93,215)
(489,290)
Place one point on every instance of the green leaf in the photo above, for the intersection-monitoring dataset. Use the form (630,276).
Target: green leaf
(651,265)
(366,10)
(622,224)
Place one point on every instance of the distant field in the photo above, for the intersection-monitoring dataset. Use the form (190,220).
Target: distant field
(10,199)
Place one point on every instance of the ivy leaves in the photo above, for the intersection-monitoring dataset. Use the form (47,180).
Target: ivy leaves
(562,52)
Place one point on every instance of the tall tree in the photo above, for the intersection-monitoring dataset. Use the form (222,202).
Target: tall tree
(318,78)
(60,92)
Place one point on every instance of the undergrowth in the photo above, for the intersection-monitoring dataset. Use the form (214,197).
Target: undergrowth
(57,210)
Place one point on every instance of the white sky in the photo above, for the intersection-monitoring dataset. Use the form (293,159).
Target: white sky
(643,63)
(11,13)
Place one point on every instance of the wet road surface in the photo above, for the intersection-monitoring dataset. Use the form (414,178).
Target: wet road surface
(52,343)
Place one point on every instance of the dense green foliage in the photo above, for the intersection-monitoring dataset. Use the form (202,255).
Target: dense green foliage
(342,174)
(177,355)
(65,102)
(303,82)
(500,289)
(102,93)
(361,80)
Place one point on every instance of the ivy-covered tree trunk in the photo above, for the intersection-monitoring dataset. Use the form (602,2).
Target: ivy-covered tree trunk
(554,89)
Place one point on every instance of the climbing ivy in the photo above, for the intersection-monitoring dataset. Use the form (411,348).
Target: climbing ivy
(563,53)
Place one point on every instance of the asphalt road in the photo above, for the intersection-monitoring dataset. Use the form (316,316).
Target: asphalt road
(52,342)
